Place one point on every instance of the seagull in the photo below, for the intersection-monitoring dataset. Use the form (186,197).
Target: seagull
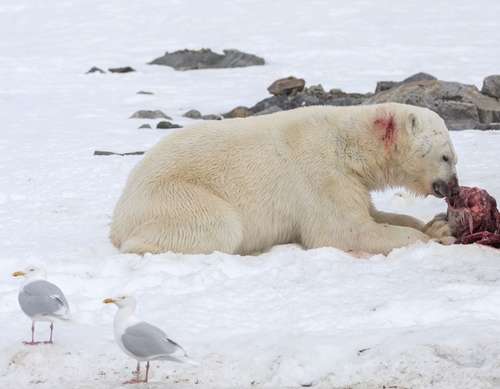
(140,340)
(41,300)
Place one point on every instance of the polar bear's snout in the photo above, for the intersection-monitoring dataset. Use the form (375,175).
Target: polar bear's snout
(441,188)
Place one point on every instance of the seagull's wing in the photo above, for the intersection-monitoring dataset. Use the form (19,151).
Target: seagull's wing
(42,298)
(147,341)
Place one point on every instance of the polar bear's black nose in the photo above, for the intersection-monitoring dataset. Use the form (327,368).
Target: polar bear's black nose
(442,188)
(453,187)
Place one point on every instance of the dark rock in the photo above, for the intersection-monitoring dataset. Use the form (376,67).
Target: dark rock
(271,109)
(145,126)
(148,114)
(192,114)
(461,106)
(207,59)
(237,59)
(95,69)
(238,112)
(419,77)
(166,125)
(491,86)
(489,126)
(286,86)
(125,69)
(211,117)
(458,115)
(143,92)
(386,85)
(101,152)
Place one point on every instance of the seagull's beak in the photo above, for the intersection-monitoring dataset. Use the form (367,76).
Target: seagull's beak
(18,274)
(108,301)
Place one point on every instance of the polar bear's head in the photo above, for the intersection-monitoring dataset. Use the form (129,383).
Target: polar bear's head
(428,162)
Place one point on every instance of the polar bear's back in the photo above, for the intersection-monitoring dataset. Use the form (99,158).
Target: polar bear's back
(244,163)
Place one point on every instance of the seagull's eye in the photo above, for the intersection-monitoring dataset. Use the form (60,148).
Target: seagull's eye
(445,158)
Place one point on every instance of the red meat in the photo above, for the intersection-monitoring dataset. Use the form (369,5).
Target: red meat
(474,217)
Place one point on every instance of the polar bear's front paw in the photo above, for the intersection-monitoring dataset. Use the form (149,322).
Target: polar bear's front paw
(446,240)
(438,227)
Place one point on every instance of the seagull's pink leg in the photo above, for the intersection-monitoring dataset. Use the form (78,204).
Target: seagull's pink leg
(136,380)
(32,343)
(51,330)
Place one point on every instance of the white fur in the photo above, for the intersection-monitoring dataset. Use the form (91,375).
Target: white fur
(243,185)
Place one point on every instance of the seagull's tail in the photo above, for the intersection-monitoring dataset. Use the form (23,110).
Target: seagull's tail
(189,361)
(65,317)
(180,359)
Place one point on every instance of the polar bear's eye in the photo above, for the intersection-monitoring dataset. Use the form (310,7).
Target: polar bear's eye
(445,158)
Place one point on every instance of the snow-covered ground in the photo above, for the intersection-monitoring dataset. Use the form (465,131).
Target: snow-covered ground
(426,316)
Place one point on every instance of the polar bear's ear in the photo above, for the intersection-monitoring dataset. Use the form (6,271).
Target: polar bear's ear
(412,124)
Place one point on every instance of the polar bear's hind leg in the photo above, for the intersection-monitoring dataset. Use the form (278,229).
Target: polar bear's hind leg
(204,225)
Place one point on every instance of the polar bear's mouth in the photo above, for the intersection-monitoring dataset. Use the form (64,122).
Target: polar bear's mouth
(441,188)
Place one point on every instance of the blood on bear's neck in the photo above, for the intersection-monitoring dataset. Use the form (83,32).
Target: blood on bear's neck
(385,126)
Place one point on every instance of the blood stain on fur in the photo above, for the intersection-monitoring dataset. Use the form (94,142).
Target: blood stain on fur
(387,125)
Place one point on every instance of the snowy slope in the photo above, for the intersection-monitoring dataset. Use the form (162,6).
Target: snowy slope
(429,316)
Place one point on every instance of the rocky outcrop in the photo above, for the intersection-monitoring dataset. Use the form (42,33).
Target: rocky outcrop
(462,106)
(491,86)
(207,59)
(313,95)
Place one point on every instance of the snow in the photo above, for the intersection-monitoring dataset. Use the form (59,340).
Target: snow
(426,315)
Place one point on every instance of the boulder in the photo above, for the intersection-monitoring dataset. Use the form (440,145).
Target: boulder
(149,114)
(143,126)
(491,86)
(286,86)
(207,59)
(386,85)
(238,112)
(143,92)
(192,114)
(166,125)
(462,106)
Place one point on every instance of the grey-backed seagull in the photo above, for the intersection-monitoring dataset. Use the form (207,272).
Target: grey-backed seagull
(141,340)
(41,300)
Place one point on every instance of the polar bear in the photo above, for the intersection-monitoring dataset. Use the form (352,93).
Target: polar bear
(302,176)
